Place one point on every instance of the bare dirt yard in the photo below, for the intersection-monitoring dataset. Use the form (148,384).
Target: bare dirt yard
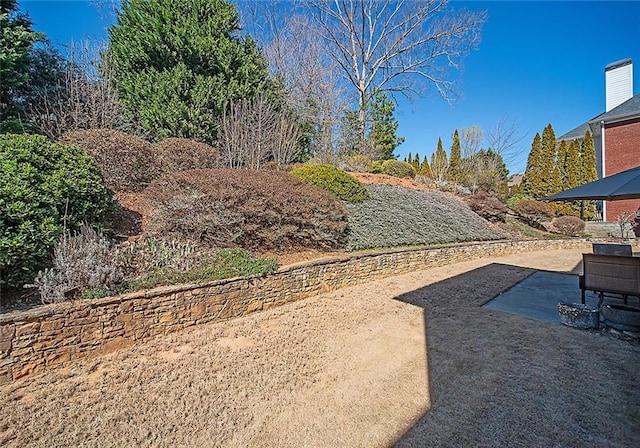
(411,360)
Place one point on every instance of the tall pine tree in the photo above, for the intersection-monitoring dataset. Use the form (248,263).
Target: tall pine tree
(588,171)
(425,169)
(384,126)
(454,172)
(548,183)
(531,183)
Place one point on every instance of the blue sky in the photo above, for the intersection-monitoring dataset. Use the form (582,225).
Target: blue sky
(538,63)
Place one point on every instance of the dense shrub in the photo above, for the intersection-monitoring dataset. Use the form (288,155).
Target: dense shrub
(179,154)
(569,225)
(397,216)
(333,180)
(245,208)
(537,210)
(488,207)
(398,168)
(127,162)
(80,261)
(43,187)
(376,167)
(513,200)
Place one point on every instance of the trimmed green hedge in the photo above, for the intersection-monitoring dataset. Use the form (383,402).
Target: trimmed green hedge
(44,187)
(398,168)
(333,180)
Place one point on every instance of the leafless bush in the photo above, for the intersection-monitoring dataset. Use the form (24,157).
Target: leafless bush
(126,162)
(179,154)
(85,97)
(253,132)
(80,261)
(488,207)
(627,223)
(569,225)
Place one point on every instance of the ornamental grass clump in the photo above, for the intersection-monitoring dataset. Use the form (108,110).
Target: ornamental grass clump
(333,180)
(265,210)
(397,216)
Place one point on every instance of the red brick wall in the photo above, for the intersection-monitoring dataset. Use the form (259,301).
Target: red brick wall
(622,152)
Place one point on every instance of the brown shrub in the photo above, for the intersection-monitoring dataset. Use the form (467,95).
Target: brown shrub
(535,209)
(488,207)
(245,208)
(569,225)
(126,161)
(179,154)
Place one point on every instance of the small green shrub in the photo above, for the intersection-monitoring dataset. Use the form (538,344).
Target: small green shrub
(398,168)
(376,167)
(333,180)
(569,225)
(44,187)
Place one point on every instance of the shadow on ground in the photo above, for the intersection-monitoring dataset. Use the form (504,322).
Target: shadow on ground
(500,379)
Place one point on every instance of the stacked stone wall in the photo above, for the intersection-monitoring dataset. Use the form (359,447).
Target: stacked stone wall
(56,334)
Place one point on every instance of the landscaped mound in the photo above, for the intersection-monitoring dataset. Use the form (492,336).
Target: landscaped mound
(264,210)
(127,162)
(334,180)
(179,154)
(397,216)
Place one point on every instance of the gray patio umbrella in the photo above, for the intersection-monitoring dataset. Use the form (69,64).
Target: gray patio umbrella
(624,185)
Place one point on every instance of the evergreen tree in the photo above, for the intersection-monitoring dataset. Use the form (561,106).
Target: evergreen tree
(561,167)
(416,162)
(454,172)
(531,178)
(16,43)
(572,175)
(439,163)
(383,126)
(425,169)
(588,172)
(179,62)
(547,161)
(409,159)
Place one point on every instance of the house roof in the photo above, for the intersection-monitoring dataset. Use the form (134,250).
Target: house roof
(628,109)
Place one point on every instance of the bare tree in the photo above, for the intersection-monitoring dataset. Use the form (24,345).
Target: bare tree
(253,132)
(298,57)
(396,45)
(85,97)
(505,138)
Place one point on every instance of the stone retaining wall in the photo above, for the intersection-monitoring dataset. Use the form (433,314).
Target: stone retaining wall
(55,334)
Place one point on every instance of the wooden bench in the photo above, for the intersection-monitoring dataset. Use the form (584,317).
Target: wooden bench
(610,274)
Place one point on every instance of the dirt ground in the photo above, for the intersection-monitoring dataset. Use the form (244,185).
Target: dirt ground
(411,360)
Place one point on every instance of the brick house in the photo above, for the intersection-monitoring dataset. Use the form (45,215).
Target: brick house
(616,133)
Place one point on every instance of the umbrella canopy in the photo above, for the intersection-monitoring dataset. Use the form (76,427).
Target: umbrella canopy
(624,185)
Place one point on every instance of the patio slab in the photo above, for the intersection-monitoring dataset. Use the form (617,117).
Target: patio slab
(537,296)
